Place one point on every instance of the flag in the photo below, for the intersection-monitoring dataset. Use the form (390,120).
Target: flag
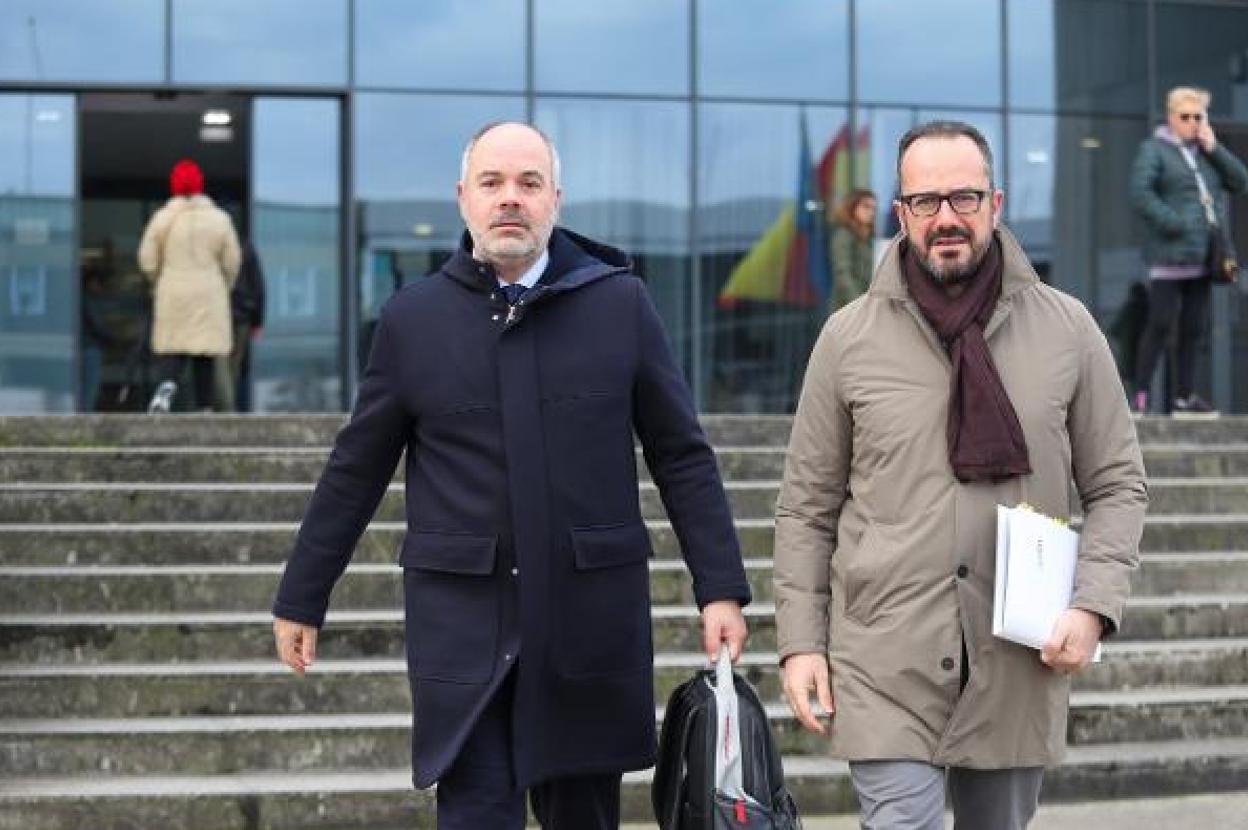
(789,263)
(808,274)
(836,176)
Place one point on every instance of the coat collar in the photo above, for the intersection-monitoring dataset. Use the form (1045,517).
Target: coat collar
(1017,273)
(575,261)
(199,200)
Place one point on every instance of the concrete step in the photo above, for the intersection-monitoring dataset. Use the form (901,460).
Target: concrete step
(383,800)
(162,637)
(298,430)
(259,687)
(231,744)
(234,542)
(206,465)
(253,502)
(251,587)
(54,465)
(319,430)
(79,589)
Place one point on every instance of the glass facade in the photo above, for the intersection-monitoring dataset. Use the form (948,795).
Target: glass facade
(277,42)
(38,304)
(712,140)
(296,200)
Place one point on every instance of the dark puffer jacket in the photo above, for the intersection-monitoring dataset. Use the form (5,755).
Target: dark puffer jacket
(1164,193)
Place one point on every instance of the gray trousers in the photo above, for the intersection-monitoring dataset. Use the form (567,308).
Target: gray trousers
(910,795)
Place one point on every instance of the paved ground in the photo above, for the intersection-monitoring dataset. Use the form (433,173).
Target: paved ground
(1202,812)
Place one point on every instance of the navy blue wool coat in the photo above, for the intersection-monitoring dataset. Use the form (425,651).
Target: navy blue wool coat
(525,545)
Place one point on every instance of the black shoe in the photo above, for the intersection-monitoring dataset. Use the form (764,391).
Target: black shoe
(1193,406)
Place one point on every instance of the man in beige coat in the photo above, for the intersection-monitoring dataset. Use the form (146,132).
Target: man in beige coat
(958,382)
(190,252)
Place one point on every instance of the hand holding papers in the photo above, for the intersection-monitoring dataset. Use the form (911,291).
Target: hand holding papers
(1036,558)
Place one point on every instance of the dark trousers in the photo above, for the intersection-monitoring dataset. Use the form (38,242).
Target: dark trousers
(479,789)
(1169,301)
(203,369)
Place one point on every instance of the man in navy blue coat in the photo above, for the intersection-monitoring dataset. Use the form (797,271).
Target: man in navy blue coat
(515,378)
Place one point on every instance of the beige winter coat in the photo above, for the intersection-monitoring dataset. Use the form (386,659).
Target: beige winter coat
(872,528)
(190,252)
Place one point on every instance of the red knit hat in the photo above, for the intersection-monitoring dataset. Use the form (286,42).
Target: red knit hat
(186,179)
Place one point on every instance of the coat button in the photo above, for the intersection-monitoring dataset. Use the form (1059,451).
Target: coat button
(963,571)
(515,571)
(507,657)
(495,317)
(947,664)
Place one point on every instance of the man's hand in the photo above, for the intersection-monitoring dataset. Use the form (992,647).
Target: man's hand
(722,621)
(296,643)
(803,672)
(1205,135)
(1073,641)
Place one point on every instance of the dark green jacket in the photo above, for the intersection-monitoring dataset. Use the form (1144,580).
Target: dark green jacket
(1164,193)
(853,260)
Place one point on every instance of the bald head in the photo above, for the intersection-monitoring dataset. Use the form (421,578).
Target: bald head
(510,129)
(509,196)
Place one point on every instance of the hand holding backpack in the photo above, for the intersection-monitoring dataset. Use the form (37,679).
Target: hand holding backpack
(718,767)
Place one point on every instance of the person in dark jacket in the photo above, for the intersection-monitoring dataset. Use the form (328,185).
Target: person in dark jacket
(247,312)
(515,378)
(1178,186)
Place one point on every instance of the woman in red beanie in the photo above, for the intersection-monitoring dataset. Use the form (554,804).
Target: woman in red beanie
(190,252)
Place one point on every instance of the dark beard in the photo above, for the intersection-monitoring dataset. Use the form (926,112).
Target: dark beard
(959,274)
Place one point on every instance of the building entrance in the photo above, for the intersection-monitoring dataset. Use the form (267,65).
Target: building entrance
(128,145)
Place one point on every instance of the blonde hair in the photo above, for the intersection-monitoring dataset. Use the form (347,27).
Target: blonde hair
(1181,95)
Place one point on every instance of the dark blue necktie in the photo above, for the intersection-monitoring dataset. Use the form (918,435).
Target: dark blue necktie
(513,292)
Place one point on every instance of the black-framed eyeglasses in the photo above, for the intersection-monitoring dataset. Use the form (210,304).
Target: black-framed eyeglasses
(1191,116)
(928,204)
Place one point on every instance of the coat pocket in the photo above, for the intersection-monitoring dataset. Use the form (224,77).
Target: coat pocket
(604,623)
(452,600)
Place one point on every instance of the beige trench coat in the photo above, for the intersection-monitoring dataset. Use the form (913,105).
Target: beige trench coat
(190,252)
(885,561)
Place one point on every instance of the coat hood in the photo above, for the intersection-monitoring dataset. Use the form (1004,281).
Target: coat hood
(1164,133)
(575,261)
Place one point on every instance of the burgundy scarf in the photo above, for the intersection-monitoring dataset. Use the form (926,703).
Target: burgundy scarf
(985,438)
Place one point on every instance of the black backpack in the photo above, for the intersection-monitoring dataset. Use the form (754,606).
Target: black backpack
(688,789)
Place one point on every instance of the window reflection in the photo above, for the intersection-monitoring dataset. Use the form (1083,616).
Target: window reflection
(440,44)
(37,209)
(1205,46)
(1032,53)
(295,222)
(798,49)
(291,42)
(1031,185)
(760,307)
(82,40)
(1067,203)
(1101,55)
(901,59)
(407,158)
(641,46)
(626,183)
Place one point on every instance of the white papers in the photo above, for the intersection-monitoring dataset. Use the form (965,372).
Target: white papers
(1036,558)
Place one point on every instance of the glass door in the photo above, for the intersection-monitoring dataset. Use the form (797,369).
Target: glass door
(37,262)
(296,221)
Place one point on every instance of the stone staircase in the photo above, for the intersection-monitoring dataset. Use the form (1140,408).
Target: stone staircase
(138,687)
